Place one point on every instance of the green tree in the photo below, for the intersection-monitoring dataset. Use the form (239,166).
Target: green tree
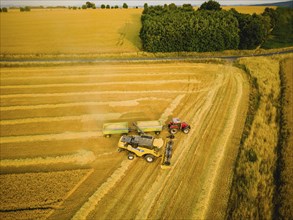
(108,6)
(103,6)
(210,5)
(187,7)
(172,6)
(273,15)
(84,7)
(23,9)
(4,9)
(253,30)
(125,5)
(90,5)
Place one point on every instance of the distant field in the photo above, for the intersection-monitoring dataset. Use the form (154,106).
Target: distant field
(248,9)
(69,31)
(63,31)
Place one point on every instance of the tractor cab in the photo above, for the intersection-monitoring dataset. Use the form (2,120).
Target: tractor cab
(175,125)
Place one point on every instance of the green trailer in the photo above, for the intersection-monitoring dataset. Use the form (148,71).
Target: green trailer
(149,126)
(115,128)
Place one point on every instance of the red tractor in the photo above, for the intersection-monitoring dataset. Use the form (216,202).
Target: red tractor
(175,125)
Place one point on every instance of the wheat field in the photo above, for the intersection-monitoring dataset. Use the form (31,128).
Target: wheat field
(51,122)
(70,31)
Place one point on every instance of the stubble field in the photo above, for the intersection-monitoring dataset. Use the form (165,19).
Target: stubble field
(53,150)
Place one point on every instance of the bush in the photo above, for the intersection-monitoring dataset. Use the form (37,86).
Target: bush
(3,9)
(26,8)
(125,5)
(103,6)
(210,5)
(90,5)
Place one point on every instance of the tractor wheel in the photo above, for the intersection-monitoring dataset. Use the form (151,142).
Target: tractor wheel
(149,158)
(130,156)
(173,130)
(186,130)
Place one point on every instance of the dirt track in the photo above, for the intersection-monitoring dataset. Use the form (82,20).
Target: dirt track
(50,113)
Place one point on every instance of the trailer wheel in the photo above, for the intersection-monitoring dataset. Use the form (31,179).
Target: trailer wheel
(149,158)
(108,135)
(130,156)
(173,130)
(157,132)
(186,130)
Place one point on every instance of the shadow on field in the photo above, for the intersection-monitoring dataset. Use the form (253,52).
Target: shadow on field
(130,32)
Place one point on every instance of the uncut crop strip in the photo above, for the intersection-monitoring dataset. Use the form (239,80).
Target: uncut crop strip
(31,95)
(50,137)
(98,84)
(88,117)
(37,190)
(82,157)
(132,102)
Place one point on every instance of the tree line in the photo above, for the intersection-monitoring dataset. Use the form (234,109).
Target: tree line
(171,28)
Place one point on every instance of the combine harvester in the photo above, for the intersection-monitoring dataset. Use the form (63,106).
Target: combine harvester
(146,146)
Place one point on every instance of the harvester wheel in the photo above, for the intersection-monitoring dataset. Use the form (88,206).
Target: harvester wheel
(173,130)
(149,158)
(186,130)
(130,156)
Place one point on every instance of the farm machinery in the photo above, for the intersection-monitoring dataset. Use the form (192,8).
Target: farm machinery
(176,125)
(140,127)
(145,145)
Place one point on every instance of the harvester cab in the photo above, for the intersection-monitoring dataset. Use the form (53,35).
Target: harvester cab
(175,125)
